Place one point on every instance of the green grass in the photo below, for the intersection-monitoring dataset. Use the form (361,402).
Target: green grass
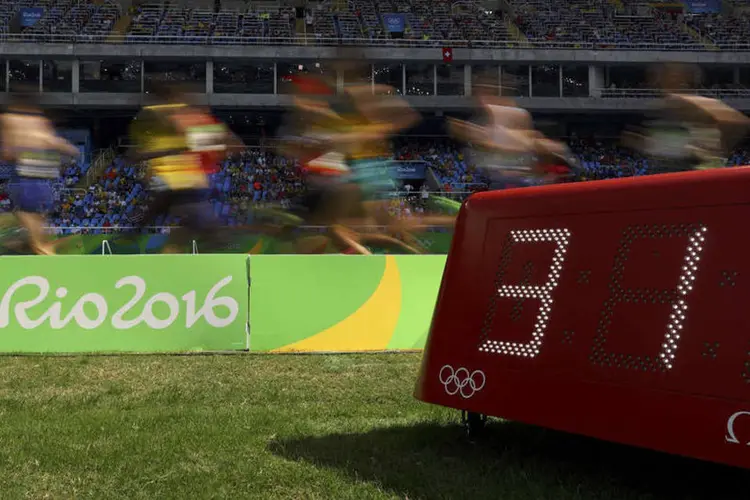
(293,427)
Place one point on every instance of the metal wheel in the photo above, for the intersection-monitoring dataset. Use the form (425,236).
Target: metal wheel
(474,424)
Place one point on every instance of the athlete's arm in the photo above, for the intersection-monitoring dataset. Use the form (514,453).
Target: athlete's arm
(393,112)
(314,107)
(63,147)
(633,140)
(464,131)
(546,146)
(480,136)
(232,140)
(7,138)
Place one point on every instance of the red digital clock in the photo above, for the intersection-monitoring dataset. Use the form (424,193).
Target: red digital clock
(615,309)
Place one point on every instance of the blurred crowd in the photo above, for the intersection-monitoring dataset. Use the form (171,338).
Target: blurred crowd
(258,178)
(601,22)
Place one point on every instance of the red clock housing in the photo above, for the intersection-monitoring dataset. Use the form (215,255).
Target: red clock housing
(613,309)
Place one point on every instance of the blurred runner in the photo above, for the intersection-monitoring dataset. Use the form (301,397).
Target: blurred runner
(30,144)
(342,142)
(308,135)
(688,131)
(182,145)
(502,142)
(556,163)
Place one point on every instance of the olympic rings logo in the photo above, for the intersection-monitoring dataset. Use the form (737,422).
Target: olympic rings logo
(462,382)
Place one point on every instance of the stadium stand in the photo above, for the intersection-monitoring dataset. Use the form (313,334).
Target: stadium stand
(91,20)
(321,26)
(604,23)
(346,23)
(257,177)
(721,29)
(599,22)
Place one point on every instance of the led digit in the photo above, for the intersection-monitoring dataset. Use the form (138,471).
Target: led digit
(561,238)
(676,297)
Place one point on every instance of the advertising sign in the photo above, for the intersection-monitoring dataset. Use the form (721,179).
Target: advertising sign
(598,298)
(408,170)
(342,303)
(703,6)
(123,303)
(394,23)
(31,15)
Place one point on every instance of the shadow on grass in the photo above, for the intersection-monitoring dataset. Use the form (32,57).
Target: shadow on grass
(512,461)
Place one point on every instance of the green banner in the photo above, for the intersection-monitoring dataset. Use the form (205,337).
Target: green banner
(435,241)
(339,303)
(150,303)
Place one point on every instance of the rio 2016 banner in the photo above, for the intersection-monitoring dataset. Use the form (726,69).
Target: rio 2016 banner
(152,303)
(342,303)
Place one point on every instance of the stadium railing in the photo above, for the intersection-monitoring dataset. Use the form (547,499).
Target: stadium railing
(66,231)
(453,195)
(652,93)
(312,40)
(102,159)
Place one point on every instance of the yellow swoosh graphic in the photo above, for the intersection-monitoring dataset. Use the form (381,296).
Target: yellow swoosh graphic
(257,248)
(369,328)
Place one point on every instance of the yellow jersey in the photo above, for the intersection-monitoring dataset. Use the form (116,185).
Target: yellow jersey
(354,123)
(153,130)
(368,149)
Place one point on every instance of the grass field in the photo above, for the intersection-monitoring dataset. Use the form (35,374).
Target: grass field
(293,427)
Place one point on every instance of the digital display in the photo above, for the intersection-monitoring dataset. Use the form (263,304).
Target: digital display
(541,293)
(619,305)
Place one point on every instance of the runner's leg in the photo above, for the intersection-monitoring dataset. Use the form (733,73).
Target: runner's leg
(33,199)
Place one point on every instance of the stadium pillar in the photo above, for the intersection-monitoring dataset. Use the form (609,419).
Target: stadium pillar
(531,82)
(275,79)
(41,76)
(434,79)
(209,77)
(76,76)
(467,80)
(596,80)
(403,79)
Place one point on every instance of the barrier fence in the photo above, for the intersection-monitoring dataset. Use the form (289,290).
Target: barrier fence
(189,303)
(736,93)
(251,240)
(313,40)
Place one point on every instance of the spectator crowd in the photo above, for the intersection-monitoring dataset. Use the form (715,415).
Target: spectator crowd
(604,23)
(258,178)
